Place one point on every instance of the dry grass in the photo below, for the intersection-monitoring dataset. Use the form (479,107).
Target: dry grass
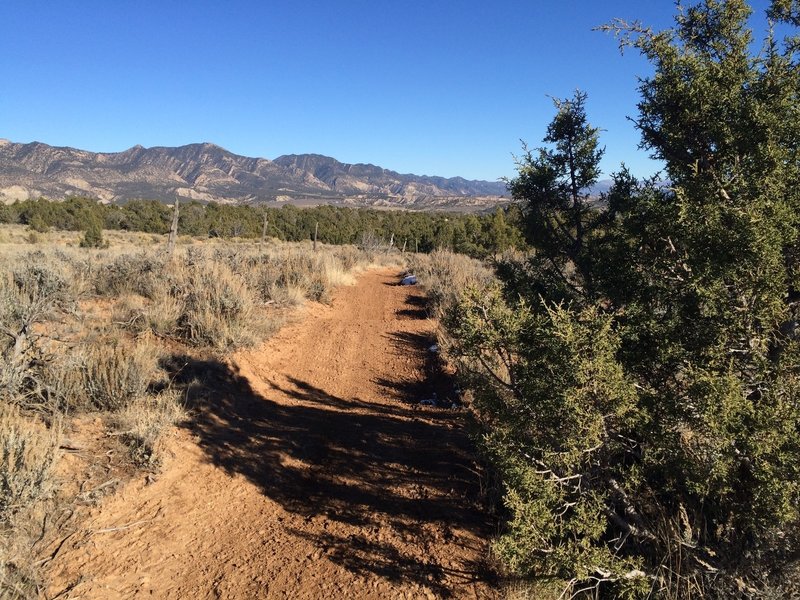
(158,315)
(32,294)
(286,276)
(27,455)
(214,296)
(336,272)
(220,310)
(140,272)
(82,330)
(162,314)
(63,378)
(114,372)
(143,422)
(545,589)
(102,372)
(446,275)
(20,576)
(20,235)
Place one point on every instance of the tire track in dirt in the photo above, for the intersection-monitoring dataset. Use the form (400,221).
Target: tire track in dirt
(310,472)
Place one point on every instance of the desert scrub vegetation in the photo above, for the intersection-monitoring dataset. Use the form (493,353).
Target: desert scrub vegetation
(111,372)
(223,297)
(28,453)
(218,308)
(142,422)
(27,456)
(84,333)
(31,295)
(297,274)
(446,275)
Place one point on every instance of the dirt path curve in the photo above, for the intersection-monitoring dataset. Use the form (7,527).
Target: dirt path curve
(310,474)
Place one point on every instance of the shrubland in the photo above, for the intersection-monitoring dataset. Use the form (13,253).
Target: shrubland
(637,375)
(87,335)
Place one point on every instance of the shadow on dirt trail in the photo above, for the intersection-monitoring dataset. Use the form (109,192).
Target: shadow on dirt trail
(417,308)
(372,467)
(438,384)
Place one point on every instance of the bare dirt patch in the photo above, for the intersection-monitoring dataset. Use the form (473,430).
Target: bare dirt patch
(310,471)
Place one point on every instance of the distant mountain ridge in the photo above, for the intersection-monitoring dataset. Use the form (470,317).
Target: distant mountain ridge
(348,178)
(207,172)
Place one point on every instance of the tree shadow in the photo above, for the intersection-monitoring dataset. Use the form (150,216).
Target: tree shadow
(417,308)
(352,461)
(437,384)
(413,313)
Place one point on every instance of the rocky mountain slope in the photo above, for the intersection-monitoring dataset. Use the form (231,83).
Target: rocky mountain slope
(209,173)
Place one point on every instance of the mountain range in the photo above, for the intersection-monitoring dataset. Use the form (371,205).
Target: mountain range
(207,172)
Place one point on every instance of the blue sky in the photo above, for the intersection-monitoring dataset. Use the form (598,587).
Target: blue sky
(439,88)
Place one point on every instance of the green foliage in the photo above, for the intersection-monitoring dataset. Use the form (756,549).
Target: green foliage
(37,224)
(553,188)
(149,216)
(7,214)
(558,411)
(475,235)
(93,236)
(639,377)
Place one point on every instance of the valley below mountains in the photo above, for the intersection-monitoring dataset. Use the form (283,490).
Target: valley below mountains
(209,173)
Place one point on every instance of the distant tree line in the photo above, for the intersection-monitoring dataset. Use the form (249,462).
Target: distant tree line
(472,234)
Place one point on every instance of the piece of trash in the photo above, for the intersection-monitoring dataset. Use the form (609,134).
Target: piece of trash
(409,280)
(434,348)
(432,401)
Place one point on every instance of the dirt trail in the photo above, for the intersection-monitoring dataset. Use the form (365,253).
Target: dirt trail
(311,473)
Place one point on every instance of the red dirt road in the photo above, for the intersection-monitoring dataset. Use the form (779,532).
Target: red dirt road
(310,472)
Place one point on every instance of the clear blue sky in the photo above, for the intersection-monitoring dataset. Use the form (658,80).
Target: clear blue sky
(428,87)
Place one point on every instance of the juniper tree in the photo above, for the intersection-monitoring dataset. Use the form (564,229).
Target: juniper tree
(93,235)
(710,311)
(553,186)
(648,433)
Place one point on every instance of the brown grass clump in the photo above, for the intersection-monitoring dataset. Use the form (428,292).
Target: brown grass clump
(139,273)
(220,310)
(446,274)
(336,272)
(163,313)
(288,276)
(285,295)
(30,295)
(143,422)
(114,372)
(62,377)
(158,315)
(27,456)
(20,576)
